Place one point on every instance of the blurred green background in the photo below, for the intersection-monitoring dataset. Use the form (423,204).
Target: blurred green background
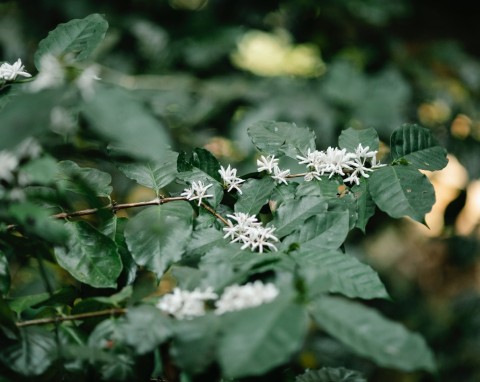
(210,68)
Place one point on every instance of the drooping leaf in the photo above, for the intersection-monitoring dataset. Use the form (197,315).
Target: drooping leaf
(33,354)
(201,159)
(4,274)
(258,339)
(78,37)
(416,145)
(83,180)
(255,194)
(157,236)
(90,256)
(346,274)
(154,175)
(350,139)
(291,214)
(402,191)
(331,374)
(365,204)
(281,138)
(127,124)
(370,335)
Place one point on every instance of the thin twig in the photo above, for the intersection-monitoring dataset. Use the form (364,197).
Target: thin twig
(80,316)
(214,213)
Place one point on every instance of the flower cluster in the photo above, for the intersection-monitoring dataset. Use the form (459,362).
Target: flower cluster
(10,72)
(249,231)
(270,165)
(230,179)
(197,192)
(339,161)
(184,304)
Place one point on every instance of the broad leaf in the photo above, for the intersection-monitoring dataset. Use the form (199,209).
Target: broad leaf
(19,304)
(370,335)
(90,257)
(327,188)
(40,171)
(255,194)
(4,274)
(33,354)
(365,204)
(346,274)
(331,374)
(282,193)
(350,139)
(205,239)
(402,191)
(416,145)
(154,175)
(132,129)
(291,214)
(157,236)
(258,339)
(201,159)
(78,37)
(279,138)
(83,180)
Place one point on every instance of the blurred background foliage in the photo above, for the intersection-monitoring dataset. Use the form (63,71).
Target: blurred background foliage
(208,69)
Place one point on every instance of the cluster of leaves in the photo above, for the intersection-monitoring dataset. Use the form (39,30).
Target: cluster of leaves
(100,320)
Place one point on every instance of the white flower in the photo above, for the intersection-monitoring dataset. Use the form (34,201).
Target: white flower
(336,161)
(244,223)
(10,72)
(86,81)
(8,163)
(197,191)
(230,180)
(51,75)
(364,161)
(238,297)
(309,176)
(267,164)
(257,237)
(279,175)
(186,304)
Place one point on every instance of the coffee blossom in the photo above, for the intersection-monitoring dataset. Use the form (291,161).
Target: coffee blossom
(10,72)
(197,192)
(229,177)
(238,297)
(183,304)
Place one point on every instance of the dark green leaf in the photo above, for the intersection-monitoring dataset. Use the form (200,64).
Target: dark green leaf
(255,194)
(402,191)
(201,159)
(327,188)
(331,374)
(369,334)
(83,180)
(198,175)
(91,257)
(279,138)
(282,193)
(4,274)
(205,239)
(7,320)
(78,37)
(258,339)
(416,145)
(19,304)
(350,139)
(365,204)
(157,236)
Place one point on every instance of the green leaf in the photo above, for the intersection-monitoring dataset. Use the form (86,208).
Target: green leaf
(416,144)
(347,275)
(127,124)
(154,175)
(145,328)
(327,188)
(279,138)
(255,194)
(157,236)
(8,327)
(194,344)
(33,354)
(19,304)
(83,180)
(370,335)
(327,230)
(78,37)
(198,175)
(331,374)
(365,204)
(205,239)
(291,214)
(402,191)
(40,171)
(91,257)
(201,159)
(350,139)
(4,274)
(258,339)
(282,193)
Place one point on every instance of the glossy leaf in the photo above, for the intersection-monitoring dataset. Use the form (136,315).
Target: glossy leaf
(255,194)
(4,274)
(350,139)
(370,335)
(201,159)
(416,145)
(78,37)
(157,236)
(90,256)
(365,204)
(326,188)
(281,138)
(83,180)
(402,191)
(331,374)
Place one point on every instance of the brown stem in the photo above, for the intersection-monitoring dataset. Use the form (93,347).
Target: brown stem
(214,213)
(80,316)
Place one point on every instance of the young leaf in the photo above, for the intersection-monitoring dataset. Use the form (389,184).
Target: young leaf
(402,191)
(258,339)
(350,139)
(255,194)
(415,144)
(157,236)
(78,37)
(90,256)
(281,138)
(365,204)
(370,335)
(331,374)
(4,274)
